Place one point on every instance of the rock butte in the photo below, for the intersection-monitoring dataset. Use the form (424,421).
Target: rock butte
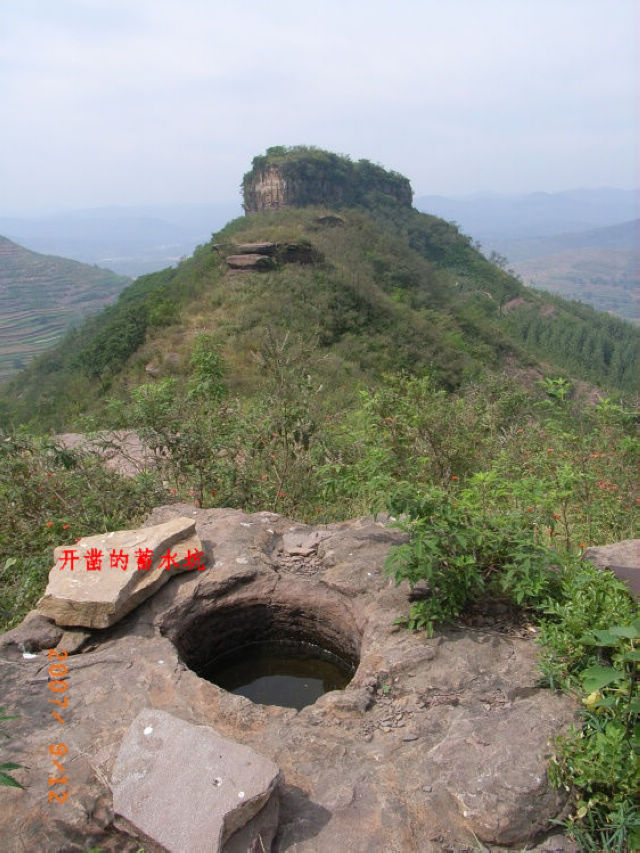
(432,742)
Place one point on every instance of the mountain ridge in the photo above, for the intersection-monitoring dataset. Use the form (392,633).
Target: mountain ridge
(41,296)
(383,288)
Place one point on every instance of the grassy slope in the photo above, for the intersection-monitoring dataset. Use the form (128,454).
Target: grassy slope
(40,297)
(395,290)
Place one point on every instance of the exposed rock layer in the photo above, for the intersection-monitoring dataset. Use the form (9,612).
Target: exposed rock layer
(622,558)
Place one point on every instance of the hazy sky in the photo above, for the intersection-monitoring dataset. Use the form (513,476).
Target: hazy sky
(138,101)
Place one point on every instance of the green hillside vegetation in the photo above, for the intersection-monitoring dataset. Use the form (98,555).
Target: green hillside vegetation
(391,289)
(376,366)
(40,297)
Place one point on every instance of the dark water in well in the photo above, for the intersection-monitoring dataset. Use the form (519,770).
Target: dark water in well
(280,674)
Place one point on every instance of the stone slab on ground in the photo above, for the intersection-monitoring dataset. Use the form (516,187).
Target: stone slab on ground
(185,786)
(622,558)
(122,450)
(300,544)
(250,262)
(255,248)
(78,597)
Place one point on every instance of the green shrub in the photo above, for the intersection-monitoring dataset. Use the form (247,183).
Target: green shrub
(588,600)
(600,762)
(463,551)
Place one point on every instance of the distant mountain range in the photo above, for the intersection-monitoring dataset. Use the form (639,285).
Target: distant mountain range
(582,244)
(612,238)
(41,296)
(489,216)
(130,240)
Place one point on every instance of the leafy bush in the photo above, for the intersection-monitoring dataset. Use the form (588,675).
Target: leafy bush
(463,551)
(600,763)
(589,600)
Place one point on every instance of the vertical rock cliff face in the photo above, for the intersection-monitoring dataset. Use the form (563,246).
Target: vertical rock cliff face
(267,191)
(294,177)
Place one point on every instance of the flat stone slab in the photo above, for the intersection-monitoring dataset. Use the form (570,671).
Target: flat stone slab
(622,558)
(250,262)
(255,248)
(186,787)
(302,544)
(483,769)
(122,450)
(99,597)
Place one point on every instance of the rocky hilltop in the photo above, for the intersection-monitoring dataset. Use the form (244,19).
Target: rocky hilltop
(300,176)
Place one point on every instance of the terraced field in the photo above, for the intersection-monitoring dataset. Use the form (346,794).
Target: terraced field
(41,296)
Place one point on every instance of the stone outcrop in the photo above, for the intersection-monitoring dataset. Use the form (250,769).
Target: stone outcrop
(98,594)
(432,741)
(122,450)
(256,248)
(259,263)
(262,257)
(268,191)
(622,558)
(491,798)
(187,788)
(299,176)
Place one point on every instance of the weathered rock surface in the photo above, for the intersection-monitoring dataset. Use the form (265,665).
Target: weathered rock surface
(433,740)
(255,248)
(98,598)
(505,802)
(164,761)
(330,220)
(268,192)
(122,450)
(302,544)
(250,262)
(266,256)
(35,633)
(622,558)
